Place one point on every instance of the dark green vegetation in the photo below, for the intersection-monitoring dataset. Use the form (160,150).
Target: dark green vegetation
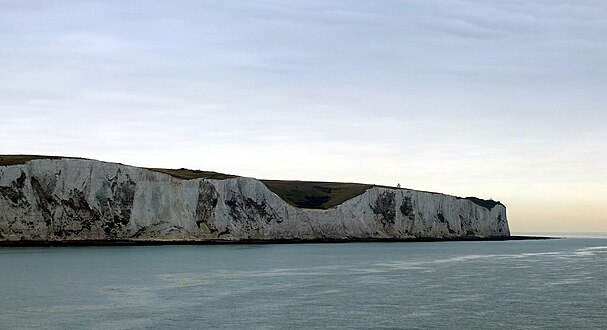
(7,160)
(315,195)
(187,174)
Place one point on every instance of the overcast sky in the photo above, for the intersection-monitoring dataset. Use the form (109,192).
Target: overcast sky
(496,99)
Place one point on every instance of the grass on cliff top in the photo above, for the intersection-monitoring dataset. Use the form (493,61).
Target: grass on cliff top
(187,174)
(315,195)
(7,160)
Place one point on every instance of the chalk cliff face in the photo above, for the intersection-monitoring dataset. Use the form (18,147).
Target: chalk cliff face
(72,199)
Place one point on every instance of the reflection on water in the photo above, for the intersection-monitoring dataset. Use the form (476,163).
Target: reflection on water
(514,284)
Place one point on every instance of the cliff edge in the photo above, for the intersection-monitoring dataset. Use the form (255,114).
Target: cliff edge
(63,199)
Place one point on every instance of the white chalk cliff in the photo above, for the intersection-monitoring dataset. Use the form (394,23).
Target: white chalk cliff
(74,199)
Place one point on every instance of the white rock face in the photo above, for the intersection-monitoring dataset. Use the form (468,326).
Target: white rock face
(71,199)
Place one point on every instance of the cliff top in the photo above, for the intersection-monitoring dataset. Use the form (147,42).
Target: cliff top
(315,195)
(302,194)
(187,174)
(7,160)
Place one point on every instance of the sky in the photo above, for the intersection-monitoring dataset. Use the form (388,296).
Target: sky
(496,99)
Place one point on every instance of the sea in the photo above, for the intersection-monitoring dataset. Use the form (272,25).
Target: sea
(529,284)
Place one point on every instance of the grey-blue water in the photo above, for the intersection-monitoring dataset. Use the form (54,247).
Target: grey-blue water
(465,285)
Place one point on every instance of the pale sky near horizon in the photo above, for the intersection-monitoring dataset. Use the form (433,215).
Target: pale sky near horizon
(495,99)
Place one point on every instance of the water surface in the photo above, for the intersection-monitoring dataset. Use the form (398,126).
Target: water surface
(510,284)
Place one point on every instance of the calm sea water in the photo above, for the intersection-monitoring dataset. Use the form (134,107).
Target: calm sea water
(514,284)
